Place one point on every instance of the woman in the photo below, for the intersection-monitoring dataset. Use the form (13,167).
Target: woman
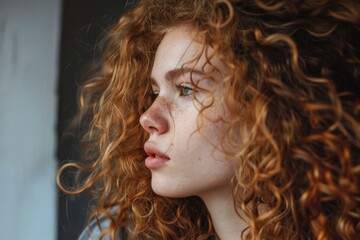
(226,120)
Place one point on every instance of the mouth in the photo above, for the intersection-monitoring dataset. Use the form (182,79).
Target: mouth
(152,151)
(156,158)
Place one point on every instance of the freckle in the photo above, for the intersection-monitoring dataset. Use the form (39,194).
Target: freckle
(153,109)
(161,100)
(170,105)
(156,106)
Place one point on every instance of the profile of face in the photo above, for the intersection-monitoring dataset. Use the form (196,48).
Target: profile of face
(185,161)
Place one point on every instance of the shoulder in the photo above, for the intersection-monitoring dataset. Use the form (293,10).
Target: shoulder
(94,230)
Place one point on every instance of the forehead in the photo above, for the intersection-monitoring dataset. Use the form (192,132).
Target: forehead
(182,47)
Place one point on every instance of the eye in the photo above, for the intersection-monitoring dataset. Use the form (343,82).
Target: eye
(154,92)
(153,95)
(184,90)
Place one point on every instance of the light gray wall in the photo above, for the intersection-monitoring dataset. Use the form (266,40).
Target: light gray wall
(29,39)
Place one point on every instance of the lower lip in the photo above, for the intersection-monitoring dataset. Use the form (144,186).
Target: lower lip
(155,162)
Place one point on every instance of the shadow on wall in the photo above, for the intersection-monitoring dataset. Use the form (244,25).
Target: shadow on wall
(83,24)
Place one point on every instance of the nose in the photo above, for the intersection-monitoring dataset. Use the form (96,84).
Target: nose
(153,120)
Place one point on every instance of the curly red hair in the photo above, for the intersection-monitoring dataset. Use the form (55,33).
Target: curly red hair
(292,90)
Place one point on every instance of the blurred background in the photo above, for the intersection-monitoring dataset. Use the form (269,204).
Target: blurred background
(47,49)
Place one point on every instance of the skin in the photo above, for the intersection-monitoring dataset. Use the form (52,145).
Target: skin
(195,167)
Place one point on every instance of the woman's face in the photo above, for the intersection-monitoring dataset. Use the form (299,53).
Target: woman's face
(183,160)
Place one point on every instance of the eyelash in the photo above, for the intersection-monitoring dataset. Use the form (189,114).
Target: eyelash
(153,96)
(182,88)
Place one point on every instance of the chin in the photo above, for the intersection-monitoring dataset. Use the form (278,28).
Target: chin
(167,190)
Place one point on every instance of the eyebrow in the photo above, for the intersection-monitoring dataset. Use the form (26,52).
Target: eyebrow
(177,72)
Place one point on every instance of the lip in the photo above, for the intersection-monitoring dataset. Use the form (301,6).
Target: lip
(156,158)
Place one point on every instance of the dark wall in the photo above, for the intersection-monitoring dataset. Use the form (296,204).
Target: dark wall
(83,25)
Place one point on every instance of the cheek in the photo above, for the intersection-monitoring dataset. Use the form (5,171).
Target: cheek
(184,115)
(215,122)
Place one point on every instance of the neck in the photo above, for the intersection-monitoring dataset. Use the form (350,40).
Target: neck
(227,223)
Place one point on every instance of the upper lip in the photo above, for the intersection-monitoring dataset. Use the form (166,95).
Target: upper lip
(151,150)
